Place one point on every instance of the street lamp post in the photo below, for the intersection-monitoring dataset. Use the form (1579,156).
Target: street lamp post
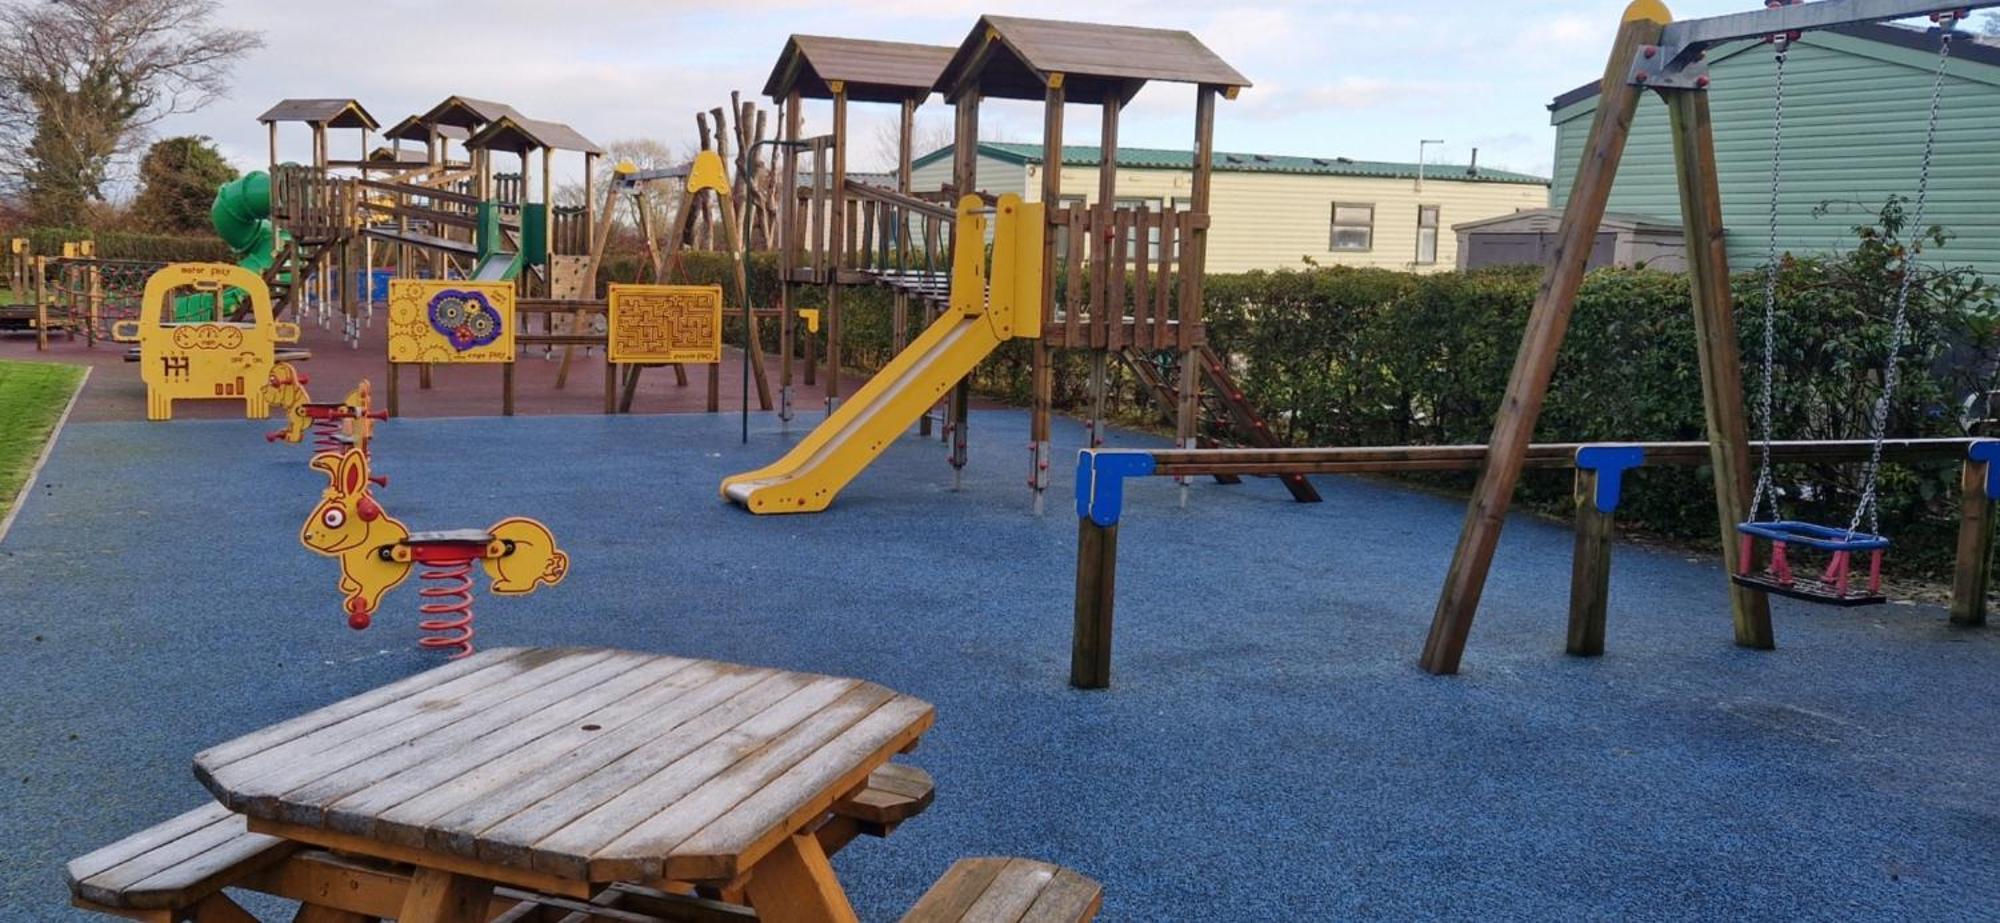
(1421,145)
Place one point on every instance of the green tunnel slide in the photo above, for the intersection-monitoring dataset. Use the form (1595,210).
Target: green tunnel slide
(242,218)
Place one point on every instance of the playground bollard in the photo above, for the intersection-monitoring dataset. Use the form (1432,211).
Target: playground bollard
(1100,499)
(1600,474)
(1972,574)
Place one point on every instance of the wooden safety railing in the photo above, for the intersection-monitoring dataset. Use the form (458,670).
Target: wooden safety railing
(569,232)
(890,232)
(436,198)
(312,205)
(806,254)
(1102,475)
(1121,282)
(20,262)
(509,189)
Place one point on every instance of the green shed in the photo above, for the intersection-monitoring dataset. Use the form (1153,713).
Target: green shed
(1856,102)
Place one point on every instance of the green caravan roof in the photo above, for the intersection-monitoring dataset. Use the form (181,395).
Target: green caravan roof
(1141,158)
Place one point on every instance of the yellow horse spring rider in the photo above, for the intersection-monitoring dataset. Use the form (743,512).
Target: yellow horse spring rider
(376,552)
(335,426)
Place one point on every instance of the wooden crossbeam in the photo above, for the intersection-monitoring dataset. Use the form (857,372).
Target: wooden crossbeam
(1385,459)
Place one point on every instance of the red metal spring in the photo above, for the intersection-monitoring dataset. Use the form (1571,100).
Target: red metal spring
(326,433)
(450,608)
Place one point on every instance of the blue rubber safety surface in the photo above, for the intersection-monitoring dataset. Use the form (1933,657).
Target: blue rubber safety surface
(1269,749)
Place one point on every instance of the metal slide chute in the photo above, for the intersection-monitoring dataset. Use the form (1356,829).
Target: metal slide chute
(979,319)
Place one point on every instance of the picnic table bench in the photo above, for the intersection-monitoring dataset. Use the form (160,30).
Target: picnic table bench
(630,786)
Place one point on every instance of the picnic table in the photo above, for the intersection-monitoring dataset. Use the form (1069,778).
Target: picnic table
(564,771)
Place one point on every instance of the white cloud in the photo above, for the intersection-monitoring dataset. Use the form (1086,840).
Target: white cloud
(1362,78)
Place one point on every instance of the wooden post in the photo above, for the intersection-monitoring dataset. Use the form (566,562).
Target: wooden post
(548,257)
(1096,594)
(350,306)
(813,243)
(42,304)
(965,179)
(590,215)
(610,383)
(1590,569)
(1187,415)
(443,897)
(796,884)
(271,138)
(1973,573)
(1041,376)
(507,389)
(753,347)
(1514,425)
(899,321)
(95,309)
(1106,313)
(837,234)
(1716,346)
(788,247)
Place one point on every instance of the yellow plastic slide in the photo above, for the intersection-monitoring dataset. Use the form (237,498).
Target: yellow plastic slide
(809,476)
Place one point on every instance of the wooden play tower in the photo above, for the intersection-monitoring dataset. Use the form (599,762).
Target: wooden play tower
(1124,282)
(838,230)
(440,211)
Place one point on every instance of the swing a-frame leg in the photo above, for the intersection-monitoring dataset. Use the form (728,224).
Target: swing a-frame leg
(1716,345)
(1514,425)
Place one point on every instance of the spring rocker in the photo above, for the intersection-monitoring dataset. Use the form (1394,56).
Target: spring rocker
(205,360)
(377,552)
(335,425)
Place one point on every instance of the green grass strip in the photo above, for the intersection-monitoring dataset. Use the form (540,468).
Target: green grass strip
(32,398)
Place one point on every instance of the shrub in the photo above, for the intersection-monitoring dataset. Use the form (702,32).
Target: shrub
(120,245)
(1347,356)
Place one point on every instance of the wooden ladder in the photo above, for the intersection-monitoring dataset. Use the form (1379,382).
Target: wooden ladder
(1227,419)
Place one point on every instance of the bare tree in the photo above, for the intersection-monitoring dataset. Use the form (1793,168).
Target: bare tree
(927,134)
(646,154)
(82,80)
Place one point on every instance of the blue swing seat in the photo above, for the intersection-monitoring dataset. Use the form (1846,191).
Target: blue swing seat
(1835,586)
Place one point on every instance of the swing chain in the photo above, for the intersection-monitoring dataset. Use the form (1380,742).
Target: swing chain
(1765,489)
(1899,327)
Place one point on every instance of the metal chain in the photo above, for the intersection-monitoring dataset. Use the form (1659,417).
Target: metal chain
(1765,488)
(1899,327)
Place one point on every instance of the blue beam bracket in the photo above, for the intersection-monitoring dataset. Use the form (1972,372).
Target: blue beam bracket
(1987,452)
(1100,481)
(1610,462)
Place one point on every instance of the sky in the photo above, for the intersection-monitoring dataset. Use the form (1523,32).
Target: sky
(1366,79)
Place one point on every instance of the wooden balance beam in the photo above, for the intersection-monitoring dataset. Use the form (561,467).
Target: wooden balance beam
(1600,469)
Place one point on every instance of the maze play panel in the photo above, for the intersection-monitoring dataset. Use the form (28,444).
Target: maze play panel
(666,323)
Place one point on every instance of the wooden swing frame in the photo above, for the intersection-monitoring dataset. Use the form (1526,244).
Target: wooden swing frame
(1650,52)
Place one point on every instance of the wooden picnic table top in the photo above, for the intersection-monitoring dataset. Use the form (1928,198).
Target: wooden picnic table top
(554,768)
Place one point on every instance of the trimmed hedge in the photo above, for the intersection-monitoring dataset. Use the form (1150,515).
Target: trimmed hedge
(1342,356)
(1371,357)
(121,245)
